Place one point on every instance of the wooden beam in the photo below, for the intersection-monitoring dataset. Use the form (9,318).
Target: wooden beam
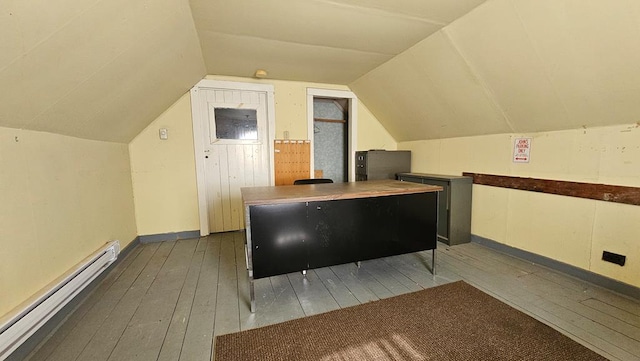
(600,192)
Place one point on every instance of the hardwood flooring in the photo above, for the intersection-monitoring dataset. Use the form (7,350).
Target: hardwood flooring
(167,301)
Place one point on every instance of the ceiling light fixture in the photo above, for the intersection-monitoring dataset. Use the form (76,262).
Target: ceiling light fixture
(260,73)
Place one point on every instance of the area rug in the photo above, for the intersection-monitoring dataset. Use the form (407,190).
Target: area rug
(450,322)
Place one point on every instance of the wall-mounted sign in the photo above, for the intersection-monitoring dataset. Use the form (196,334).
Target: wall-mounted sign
(522,150)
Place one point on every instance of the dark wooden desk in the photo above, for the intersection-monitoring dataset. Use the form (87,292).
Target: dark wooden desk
(295,228)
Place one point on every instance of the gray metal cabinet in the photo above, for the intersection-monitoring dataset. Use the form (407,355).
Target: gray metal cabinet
(454,207)
(381,164)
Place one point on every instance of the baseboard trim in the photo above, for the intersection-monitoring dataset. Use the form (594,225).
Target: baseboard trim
(43,333)
(173,236)
(600,280)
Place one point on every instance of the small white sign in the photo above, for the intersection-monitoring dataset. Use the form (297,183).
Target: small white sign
(522,150)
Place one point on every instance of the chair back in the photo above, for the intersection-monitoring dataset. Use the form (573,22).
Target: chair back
(312,181)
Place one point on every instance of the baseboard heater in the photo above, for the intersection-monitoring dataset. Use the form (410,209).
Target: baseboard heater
(27,318)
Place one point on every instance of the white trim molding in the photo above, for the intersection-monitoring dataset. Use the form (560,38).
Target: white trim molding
(352,122)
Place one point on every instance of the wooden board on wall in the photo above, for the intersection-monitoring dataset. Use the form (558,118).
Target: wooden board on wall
(292,160)
(600,192)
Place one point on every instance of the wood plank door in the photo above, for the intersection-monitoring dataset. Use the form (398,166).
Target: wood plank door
(236,147)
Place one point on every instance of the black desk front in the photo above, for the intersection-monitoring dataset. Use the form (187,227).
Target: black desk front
(336,223)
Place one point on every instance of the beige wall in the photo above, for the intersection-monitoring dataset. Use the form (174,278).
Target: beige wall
(570,230)
(62,199)
(371,134)
(163,171)
(291,112)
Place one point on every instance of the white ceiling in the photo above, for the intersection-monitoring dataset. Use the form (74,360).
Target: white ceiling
(330,41)
(104,69)
(95,69)
(514,66)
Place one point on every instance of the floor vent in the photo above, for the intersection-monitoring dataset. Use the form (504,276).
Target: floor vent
(27,318)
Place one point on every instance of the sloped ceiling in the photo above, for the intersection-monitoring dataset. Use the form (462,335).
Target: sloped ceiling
(104,69)
(95,69)
(329,41)
(514,66)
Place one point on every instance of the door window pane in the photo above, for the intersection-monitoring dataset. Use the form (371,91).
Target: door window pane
(233,123)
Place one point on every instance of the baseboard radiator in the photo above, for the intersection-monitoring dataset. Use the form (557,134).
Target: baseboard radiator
(27,318)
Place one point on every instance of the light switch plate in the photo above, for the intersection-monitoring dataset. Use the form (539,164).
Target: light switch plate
(164,133)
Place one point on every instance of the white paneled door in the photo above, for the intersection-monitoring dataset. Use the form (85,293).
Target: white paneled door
(236,151)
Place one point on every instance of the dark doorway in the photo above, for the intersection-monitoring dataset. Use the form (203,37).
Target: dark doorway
(331,138)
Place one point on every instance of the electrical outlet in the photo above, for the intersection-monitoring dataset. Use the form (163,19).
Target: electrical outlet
(614,258)
(164,133)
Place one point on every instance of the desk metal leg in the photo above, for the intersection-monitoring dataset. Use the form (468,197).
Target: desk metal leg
(433,261)
(252,292)
(248,250)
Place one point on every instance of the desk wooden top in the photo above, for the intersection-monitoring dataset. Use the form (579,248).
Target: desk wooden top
(331,191)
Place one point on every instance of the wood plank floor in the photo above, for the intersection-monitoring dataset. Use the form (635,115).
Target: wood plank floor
(167,301)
